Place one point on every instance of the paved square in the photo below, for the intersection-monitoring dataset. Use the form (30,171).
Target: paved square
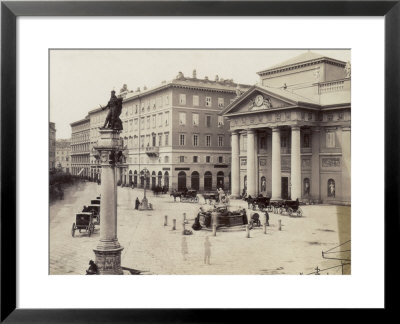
(153,248)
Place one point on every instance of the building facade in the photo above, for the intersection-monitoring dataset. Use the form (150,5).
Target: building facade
(80,143)
(291,133)
(174,131)
(63,155)
(52,145)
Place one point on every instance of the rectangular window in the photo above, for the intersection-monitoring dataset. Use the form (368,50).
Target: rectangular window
(220,159)
(130,125)
(159,120)
(181,139)
(208,159)
(195,140)
(182,99)
(220,141)
(182,159)
(148,122)
(195,100)
(142,141)
(159,139)
(208,101)
(208,140)
(166,100)
(263,143)
(166,139)
(306,141)
(142,123)
(330,139)
(154,121)
(166,118)
(195,159)
(220,121)
(135,124)
(208,121)
(195,118)
(182,118)
(220,102)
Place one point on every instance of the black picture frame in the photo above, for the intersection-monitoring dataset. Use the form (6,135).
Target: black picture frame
(9,13)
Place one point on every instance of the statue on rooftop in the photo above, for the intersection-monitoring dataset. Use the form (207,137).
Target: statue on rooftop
(115,107)
(347,68)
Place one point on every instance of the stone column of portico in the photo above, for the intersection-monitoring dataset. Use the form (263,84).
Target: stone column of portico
(235,170)
(295,164)
(108,251)
(315,176)
(346,165)
(276,164)
(251,164)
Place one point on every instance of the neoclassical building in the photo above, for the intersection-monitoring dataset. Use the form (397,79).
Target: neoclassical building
(291,132)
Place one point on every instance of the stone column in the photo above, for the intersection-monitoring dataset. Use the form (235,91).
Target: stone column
(315,176)
(108,251)
(251,164)
(276,164)
(235,168)
(346,165)
(295,164)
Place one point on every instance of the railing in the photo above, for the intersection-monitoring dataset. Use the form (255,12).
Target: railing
(331,86)
(152,149)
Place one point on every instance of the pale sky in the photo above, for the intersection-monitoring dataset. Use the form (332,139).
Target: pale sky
(80,80)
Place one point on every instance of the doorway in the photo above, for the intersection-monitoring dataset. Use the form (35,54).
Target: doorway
(285,188)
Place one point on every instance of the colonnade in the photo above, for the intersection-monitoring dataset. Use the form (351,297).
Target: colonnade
(252,160)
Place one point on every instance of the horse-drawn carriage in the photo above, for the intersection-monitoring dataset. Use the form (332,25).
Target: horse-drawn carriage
(185,196)
(95,209)
(157,190)
(291,207)
(83,221)
(211,196)
(260,202)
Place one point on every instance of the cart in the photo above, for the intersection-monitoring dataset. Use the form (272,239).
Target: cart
(84,221)
(291,207)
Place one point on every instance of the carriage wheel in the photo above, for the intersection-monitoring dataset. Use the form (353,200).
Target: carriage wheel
(73,230)
(290,211)
(299,212)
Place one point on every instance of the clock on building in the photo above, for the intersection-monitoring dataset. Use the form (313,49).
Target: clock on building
(259,100)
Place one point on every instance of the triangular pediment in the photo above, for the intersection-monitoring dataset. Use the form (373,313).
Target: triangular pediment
(258,99)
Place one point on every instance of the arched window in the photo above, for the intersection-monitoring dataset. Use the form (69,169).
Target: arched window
(166,179)
(306,186)
(195,180)
(181,181)
(331,188)
(130,177)
(208,181)
(220,180)
(153,179)
(141,179)
(159,183)
(135,178)
(263,184)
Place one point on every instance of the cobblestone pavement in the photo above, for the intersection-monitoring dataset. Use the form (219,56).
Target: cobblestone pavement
(153,248)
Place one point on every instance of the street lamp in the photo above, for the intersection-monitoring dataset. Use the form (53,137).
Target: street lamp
(144,205)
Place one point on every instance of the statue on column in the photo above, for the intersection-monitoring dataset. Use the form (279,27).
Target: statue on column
(115,107)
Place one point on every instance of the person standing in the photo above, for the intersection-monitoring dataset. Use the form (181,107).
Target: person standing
(207,251)
(137,203)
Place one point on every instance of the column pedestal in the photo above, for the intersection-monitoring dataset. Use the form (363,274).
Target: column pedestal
(108,251)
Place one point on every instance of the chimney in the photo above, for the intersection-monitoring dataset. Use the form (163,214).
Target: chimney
(217,78)
(194,74)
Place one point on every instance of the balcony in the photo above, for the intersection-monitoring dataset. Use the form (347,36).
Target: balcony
(152,151)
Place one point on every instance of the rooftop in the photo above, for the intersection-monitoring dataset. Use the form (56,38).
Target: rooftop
(307,57)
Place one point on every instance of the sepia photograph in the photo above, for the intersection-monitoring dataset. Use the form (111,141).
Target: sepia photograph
(200,161)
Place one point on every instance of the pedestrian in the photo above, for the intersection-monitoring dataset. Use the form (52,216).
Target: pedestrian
(207,251)
(266,218)
(184,248)
(137,203)
(92,268)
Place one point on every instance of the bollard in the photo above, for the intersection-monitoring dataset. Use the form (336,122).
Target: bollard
(247,231)
(183,228)
(280,225)
(214,229)
(174,224)
(265,228)
(166,220)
